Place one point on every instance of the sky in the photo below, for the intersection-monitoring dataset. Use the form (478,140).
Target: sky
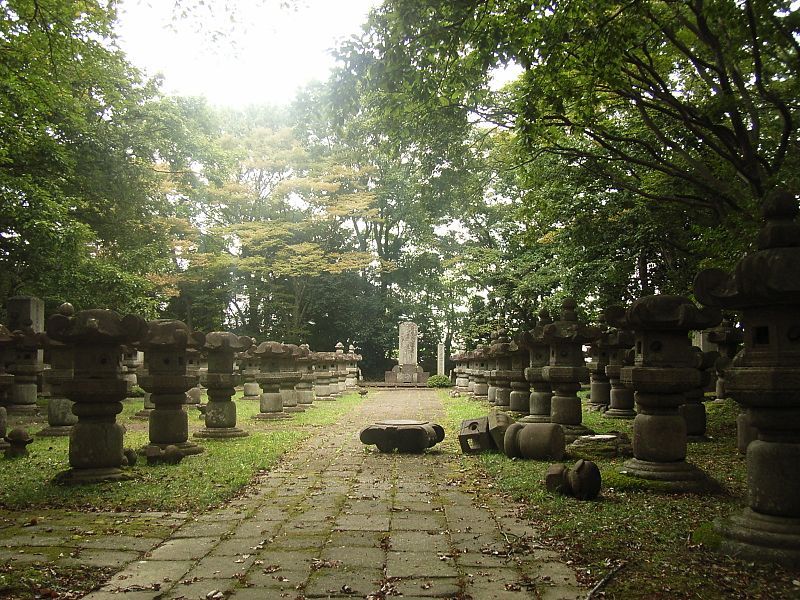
(261,59)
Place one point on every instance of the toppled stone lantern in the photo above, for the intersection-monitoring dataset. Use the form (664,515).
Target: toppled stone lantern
(582,481)
(220,413)
(96,388)
(665,368)
(567,368)
(269,377)
(599,384)
(167,380)
(500,374)
(60,417)
(538,441)
(619,344)
(403,435)
(764,289)
(18,440)
(538,357)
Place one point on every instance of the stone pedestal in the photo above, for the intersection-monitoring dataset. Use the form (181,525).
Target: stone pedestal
(538,357)
(60,417)
(220,414)
(764,288)
(665,368)
(97,388)
(167,381)
(566,369)
(620,354)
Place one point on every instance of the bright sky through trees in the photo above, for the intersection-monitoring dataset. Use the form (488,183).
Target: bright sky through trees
(271,53)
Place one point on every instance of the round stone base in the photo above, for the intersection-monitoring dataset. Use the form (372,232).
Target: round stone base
(617,413)
(55,431)
(80,476)
(271,416)
(187,448)
(221,433)
(573,432)
(764,538)
(678,476)
(535,419)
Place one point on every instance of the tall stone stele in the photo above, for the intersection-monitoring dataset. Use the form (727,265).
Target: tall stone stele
(538,357)
(407,370)
(60,417)
(167,380)
(567,368)
(665,368)
(220,415)
(97,389)
(764,289)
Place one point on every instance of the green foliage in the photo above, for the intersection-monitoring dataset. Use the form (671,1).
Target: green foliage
(439,381)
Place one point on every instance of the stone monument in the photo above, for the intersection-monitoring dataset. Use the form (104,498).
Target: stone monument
(407,370)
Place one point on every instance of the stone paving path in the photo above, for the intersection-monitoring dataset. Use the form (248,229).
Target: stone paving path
(337,520)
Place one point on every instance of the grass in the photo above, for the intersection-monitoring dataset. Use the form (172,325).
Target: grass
(197,483)
(664,540)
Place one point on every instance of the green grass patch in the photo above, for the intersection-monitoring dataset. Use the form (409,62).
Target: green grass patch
(198,482)
(665,540)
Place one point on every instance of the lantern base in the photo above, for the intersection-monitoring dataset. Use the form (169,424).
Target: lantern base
(55,431)
(758,537)
(221,433)
(99,475)
(619,413)
(676,476)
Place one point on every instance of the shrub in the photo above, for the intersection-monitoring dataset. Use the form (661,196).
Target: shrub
(439,381)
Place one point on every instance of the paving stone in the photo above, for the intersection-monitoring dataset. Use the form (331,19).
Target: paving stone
(162,573)
(355,558)
(101,558)
(409,541)
(356,539)
(336,583)
(362,523)
(435,587)
(221,567)
(183,549)
(418,564)
(105,595)
(204,529)
(418,522)
(292,540)
(121,542)
(240,545)
(198,590)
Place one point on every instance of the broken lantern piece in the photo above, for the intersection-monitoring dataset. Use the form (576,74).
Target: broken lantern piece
(403,435)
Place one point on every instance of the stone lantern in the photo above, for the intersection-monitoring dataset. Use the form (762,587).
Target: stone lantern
(167,380)
(6,381)
(352,368)
(305,387)
(130,364)
(269,378)
(469,371)
(538,357)
(26,366)
(60,417)
(519,399)
(291,376)
(147,403)
(195,393)
(491,367)
(567,368)
(764,289)
(619,344)
(249,366)
(665,368)
(693,410)
(341,368)
(501,375)
(323,389)
(460,372)
(599,384)
(728,339)
(220,348)
(481,387)
(97,388)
